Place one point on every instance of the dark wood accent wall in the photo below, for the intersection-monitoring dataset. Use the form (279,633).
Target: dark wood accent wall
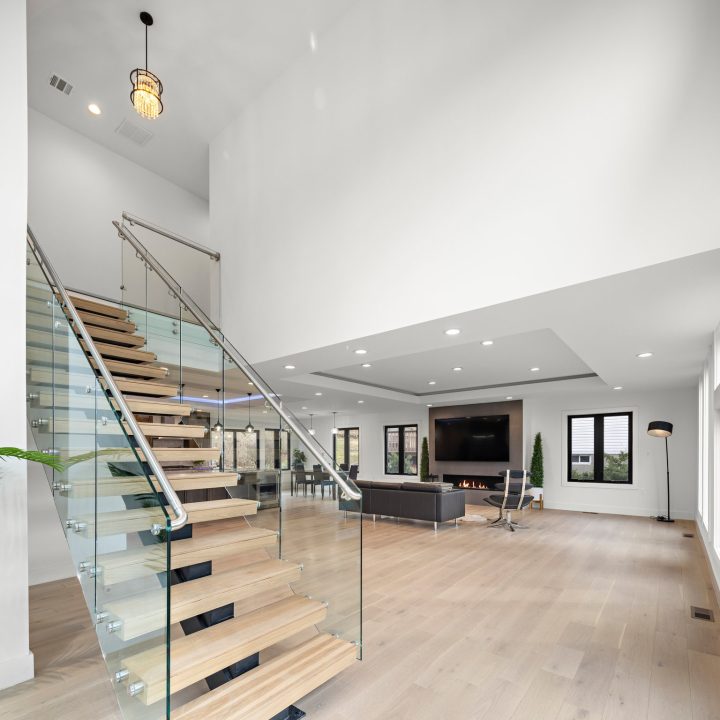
(513,408)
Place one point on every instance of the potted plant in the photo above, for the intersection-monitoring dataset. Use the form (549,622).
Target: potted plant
(424,461)
(536,467)
(298,458)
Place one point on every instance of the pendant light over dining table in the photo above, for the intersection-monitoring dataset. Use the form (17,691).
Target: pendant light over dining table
(249,427)
(147,88)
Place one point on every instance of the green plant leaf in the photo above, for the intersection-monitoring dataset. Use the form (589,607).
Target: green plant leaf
(32,456)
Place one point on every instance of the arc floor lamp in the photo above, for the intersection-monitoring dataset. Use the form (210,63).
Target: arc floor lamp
(663,429)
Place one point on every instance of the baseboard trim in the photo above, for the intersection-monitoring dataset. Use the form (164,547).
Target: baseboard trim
(16,670)
(614,510)
(712,561)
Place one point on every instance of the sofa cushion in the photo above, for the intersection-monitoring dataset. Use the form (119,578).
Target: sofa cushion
(387,486)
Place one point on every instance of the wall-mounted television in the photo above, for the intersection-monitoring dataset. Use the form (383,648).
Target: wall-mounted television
(473,439)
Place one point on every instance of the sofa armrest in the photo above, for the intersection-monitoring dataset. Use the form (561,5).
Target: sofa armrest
(450,505)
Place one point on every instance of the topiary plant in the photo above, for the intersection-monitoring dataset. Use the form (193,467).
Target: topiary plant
(536,465)
(424,461)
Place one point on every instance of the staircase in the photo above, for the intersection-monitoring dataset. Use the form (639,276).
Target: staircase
(186,608)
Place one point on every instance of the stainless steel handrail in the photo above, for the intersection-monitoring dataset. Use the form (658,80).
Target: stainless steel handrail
(134,220)
(168,490)
(349,488)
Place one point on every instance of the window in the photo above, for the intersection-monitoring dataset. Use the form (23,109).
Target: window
(600,448)
(240,450)
(346,447)
(277,450)
(401,456)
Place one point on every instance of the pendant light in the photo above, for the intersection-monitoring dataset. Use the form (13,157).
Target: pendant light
(334,430)
(217,427)
(147,88)
(312,429)
(249,428)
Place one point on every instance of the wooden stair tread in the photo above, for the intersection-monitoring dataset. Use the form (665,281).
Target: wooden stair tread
(146,406)
(269,688)
(104,321)
(145,387)
(64,360)
(90,426)
(146,611)
(196,656)
(151,559)
(108,350)
(125,454)
(113,336)
(99,308)
(117,522)
(137,484)
(123,369)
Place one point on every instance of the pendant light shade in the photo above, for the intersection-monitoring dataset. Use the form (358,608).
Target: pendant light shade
(147,88)
(334,430)
(312,429)
(249,427)
(217,427)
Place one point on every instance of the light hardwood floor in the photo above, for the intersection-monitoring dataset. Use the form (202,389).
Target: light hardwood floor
(580,616)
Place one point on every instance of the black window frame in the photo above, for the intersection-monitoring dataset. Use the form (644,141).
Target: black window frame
(235,432)
(401,449)
(277,447)
(346,443)
(599,448)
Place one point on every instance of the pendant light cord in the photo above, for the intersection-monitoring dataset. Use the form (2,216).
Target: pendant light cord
(146,49)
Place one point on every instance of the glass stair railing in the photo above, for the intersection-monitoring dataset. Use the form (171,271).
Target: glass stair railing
(265,576)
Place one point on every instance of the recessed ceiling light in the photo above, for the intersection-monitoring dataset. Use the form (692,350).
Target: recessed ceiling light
(360,402)
(251,384)
(429,404)
(452,331)
(431,382)
(289,367)
(204,395)
(304,407)
(535,369)
(644,355)
(360,351)
(94,109)
(457,369)
(509,397)
(618,387)
(366,365)
(488,342)
(318,394)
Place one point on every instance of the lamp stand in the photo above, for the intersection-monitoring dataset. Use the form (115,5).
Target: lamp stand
(666,518)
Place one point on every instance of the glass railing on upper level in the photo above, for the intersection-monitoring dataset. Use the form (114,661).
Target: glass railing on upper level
(302,492)
(115,521)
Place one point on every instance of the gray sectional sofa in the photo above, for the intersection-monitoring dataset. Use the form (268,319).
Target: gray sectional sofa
(412,500)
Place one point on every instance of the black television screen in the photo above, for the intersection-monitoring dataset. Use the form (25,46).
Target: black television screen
(473,438)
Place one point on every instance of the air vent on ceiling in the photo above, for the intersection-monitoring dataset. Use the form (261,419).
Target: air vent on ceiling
(132,132)
(699,613)
(60,84)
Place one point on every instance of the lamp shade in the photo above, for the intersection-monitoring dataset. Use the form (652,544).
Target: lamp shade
(660,428)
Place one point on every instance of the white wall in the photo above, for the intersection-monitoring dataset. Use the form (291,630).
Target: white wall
(647,496)
(16,660)
(372,437)
(78,187)
(437,157)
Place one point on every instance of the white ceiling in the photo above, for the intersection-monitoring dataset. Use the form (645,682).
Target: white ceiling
(211,56)
(670,309)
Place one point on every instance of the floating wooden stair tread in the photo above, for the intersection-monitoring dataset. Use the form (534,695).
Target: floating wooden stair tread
(145,406)
(93,306)
(196,656)
(120,368)
(125,454)
(110,323)
(90,426)
(145,387)
(78,360)
(269,688)
(139,519)
(148,560)
(113,336)
(108,350)
(63,379)
(146,611)
(137,484)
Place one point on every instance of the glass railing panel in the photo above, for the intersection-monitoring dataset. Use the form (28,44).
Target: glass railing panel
(115,522)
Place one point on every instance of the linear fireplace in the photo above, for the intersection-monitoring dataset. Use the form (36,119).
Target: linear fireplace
(472,482)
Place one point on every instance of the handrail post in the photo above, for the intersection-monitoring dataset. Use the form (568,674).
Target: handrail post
(168,490)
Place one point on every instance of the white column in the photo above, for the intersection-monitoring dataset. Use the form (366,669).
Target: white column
(16,660)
